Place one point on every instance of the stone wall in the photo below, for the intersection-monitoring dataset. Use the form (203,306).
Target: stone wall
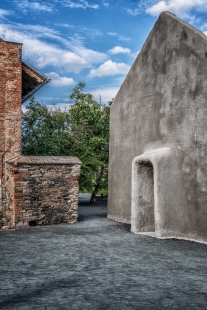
(42,190)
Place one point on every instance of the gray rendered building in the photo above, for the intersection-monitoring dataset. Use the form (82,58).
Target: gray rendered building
(158,136)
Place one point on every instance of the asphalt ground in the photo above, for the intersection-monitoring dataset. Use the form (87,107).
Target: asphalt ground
(98,264)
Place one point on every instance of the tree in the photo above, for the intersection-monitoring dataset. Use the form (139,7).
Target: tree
(44,130)
(83,131)
(89,131)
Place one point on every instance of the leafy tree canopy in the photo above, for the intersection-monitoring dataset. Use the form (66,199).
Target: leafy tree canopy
(44,130)
(83,131)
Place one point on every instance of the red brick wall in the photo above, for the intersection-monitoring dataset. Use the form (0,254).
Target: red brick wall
(10,107)
(53,203)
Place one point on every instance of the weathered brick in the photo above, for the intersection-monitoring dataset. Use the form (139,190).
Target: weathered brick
(37,185)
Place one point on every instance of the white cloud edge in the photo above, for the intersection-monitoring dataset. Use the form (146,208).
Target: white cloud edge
(106,93)
(58,81)
(5,13)
(82,4)
(34,6)
(182,8)
(120,37)
(73,58)
(105,4)
(119,50)
(109,68)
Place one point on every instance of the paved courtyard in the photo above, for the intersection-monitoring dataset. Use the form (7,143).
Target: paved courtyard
(98,264)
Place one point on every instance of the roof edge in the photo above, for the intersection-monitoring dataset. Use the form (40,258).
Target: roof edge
(163,15)
(25,98)
(40,74)
(172,15)
(28,65)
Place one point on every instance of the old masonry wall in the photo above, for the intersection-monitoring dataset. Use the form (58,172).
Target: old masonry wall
(10,111)
(33,190)
(43,190)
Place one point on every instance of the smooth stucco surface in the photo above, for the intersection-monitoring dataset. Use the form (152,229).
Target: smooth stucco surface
(163,104)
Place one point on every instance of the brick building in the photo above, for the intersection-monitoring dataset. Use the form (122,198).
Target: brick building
(25,176)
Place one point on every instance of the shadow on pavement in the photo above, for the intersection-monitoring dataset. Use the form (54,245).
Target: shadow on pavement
(87,211)
(98,210)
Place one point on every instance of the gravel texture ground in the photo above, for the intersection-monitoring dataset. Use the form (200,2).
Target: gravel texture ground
(98,264)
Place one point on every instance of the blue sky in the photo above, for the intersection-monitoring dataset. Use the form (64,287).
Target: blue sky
(94,41)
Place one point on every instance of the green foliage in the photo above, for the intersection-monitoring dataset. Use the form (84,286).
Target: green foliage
(44,130)
(83,131)
(89,132)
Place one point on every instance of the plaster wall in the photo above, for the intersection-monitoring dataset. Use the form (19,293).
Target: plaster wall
(163,104)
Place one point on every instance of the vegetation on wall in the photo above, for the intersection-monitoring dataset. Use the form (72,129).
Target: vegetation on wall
(82,131)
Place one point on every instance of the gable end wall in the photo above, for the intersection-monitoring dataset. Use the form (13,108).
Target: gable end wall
(163,103)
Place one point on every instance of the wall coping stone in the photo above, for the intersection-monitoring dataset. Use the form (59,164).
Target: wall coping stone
(33,160)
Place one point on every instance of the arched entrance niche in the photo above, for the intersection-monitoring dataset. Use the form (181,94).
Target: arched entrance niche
(145,212)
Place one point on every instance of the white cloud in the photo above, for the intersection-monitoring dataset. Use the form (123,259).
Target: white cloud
(65,25)
(110,68)
(36,30)
(114,34)
(140,7)
(123,38)
(34,5)
(75,44)
(73,62)
(86,31)
(90,32)
(57,80)
(119,50)
(43,54)
(182,8)
(106,94)
(179,7)
(89,55)
(106,4)
(82,4)
(73,58)
(4,13)
(133,12)
(120,37)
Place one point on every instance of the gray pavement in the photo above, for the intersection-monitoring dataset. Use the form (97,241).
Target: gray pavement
(98,264)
